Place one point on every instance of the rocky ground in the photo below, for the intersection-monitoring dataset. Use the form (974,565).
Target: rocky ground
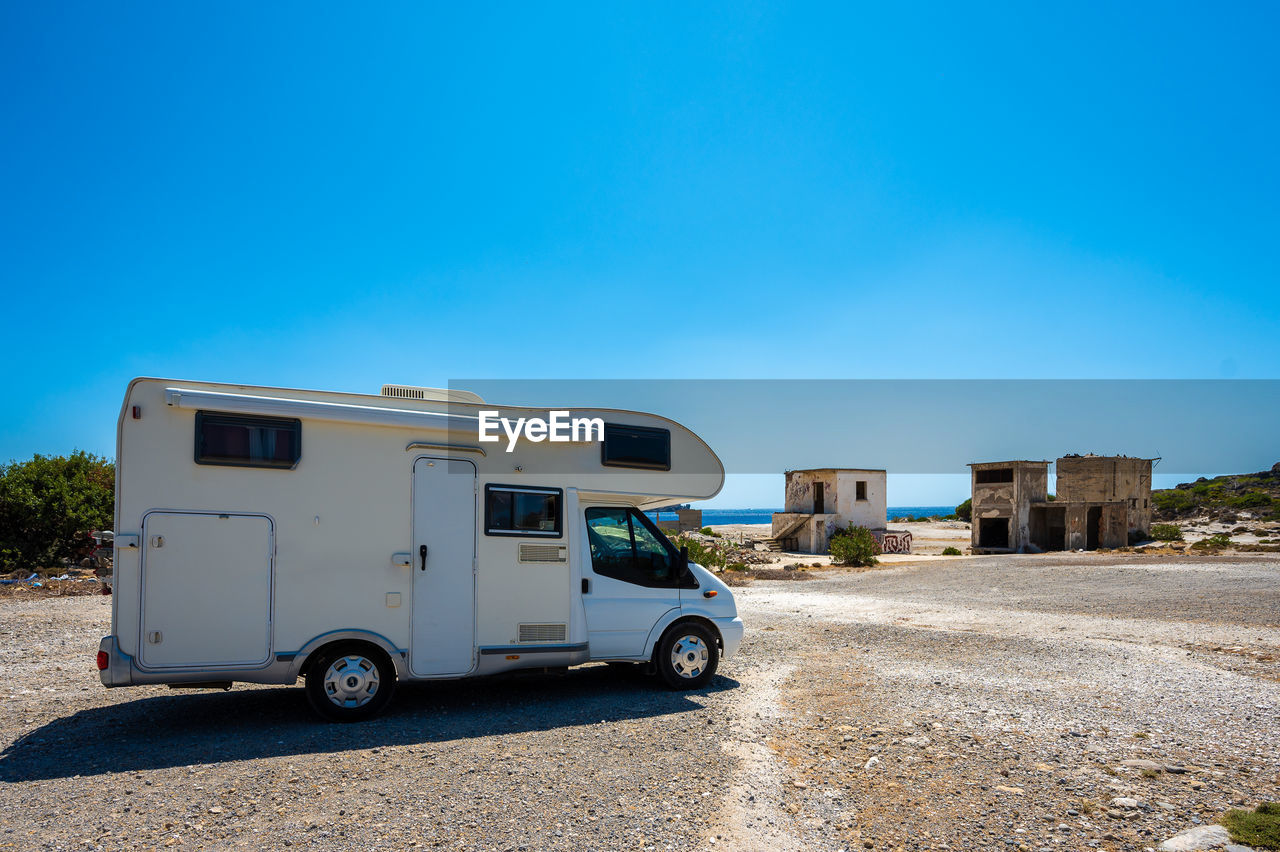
(1012,703)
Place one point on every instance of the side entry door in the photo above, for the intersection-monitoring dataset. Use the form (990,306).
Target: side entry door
(632,583)
(444,582)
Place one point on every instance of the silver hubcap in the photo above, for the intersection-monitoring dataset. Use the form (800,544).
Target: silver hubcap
(689,656)
(351,681)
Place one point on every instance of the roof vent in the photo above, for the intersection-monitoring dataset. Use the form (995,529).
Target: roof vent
(442,394)
(404,392)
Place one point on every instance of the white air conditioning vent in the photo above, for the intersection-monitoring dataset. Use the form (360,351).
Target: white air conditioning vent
(404,392)
(437,394)
(543,552)
(542,632)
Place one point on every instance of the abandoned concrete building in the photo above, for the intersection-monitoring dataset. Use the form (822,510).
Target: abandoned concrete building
(820,501)
(1101,501)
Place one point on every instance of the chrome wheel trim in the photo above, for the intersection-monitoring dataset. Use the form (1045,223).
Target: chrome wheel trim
(689,656)
(351,681)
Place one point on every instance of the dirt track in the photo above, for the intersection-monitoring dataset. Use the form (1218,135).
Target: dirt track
(984,703)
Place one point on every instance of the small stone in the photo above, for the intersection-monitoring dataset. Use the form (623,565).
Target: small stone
(799,785)
(1126,803)
(1142,764)
(1003,789)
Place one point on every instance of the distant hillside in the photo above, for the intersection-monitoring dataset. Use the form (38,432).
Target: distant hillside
(1254,494)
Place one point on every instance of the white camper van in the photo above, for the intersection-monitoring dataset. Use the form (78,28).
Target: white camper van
(264,535)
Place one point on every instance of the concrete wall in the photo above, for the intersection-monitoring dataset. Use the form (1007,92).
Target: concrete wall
(1009,500)
(840,490)
(1112,529)
(800,490)
(869,513)
(685,520)
(1109,479)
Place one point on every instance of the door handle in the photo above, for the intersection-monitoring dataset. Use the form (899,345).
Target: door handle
(586,586)
(422,552)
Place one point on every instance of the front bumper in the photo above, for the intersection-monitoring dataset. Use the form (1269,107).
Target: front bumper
(731,630)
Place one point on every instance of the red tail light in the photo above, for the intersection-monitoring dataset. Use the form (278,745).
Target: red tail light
(104,660)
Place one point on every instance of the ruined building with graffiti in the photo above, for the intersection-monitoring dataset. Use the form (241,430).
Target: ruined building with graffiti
(822,500)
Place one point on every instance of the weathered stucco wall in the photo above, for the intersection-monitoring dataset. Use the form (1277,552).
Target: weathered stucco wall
(800,490)
(1010,500)
(869,513)
(1109,479)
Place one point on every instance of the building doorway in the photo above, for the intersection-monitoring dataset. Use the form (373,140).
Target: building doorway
(1049,527)
(993,532)
(819,499)
(1093,528)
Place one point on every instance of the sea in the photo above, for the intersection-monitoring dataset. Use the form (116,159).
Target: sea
(711,517)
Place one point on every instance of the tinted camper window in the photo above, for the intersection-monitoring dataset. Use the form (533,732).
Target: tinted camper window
(636,446)
(512,510)
(246,441)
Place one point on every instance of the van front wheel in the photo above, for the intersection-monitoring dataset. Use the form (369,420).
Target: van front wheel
(688,656)
(350,682)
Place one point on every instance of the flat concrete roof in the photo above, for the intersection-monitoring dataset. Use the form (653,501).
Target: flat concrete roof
(838,470)
(1011,461)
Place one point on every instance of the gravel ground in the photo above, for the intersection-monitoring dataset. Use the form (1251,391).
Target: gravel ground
(984,703)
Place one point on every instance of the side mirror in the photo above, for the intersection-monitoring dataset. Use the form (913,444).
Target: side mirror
(684,561)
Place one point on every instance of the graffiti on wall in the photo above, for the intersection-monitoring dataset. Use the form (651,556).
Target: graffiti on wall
(894,542)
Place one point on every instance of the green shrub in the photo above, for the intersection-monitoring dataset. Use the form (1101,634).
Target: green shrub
(854,546)
(710,532)
(1213,541)
(706,555)
(965,510)
(1174,501)
(49,505)
(1259,828)
(951,551)
(1166,532)
(1251,500)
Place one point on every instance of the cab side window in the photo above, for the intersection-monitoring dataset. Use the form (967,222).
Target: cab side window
(625,548)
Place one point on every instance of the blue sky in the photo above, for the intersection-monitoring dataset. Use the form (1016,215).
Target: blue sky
(329,196)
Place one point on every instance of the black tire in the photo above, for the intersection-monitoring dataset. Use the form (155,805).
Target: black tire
(350,682)
(688,656)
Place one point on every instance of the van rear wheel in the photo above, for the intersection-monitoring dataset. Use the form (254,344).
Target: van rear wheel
(688,656)
(350,682)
